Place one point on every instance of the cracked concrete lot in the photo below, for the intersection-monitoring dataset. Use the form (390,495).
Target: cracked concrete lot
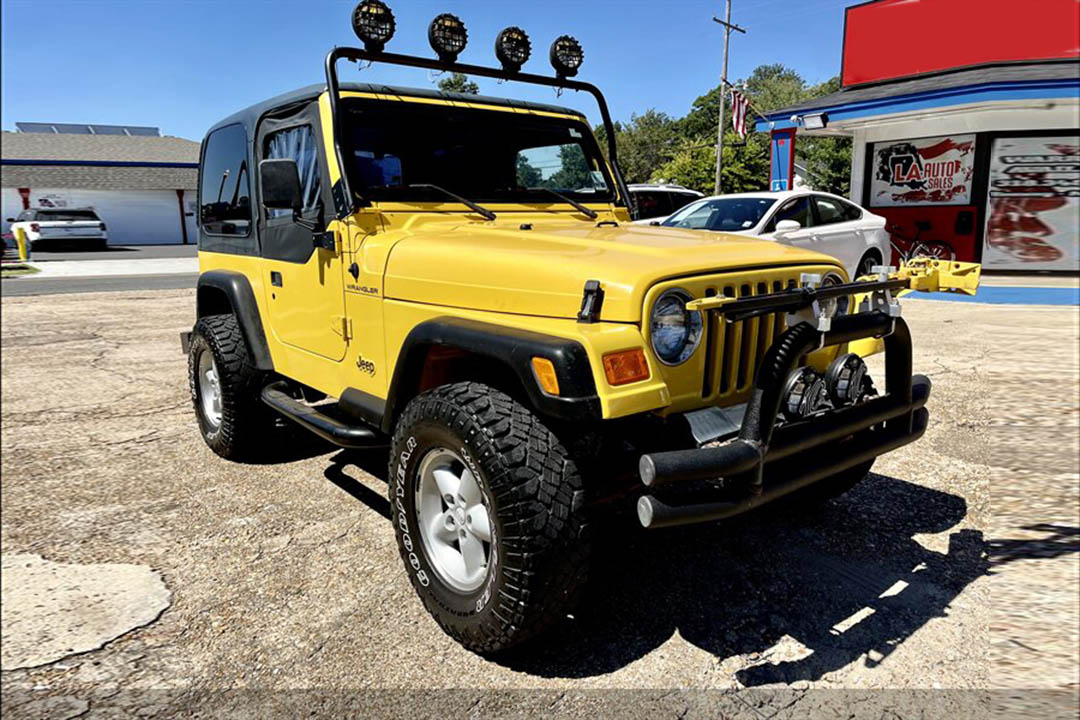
(942,586)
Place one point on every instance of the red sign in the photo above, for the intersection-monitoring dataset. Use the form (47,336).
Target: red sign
(890,39)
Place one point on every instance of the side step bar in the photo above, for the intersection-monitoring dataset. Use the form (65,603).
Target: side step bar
(326,427)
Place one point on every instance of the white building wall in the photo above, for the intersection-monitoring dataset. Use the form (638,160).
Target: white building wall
(958,120)
(133,217)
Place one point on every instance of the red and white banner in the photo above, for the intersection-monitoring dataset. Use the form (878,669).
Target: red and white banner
(1033,214)
(739,107)
(927,171)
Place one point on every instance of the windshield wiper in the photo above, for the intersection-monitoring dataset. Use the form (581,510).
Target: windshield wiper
(487,214)
(591,214)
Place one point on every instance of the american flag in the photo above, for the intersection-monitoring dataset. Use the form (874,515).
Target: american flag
(739,106)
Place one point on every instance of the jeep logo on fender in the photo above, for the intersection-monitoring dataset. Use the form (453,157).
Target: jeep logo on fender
(365,366)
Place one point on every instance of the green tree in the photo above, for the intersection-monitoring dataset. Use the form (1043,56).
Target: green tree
(827,159)
(459,83)
(574,172)
(643,144)
(527,174)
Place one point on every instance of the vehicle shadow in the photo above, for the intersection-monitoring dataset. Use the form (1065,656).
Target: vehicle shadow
(844,582)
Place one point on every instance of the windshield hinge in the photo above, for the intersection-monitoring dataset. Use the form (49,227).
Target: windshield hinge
(341,325)
(592,300)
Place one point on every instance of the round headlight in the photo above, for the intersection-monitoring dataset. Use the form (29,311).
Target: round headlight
(512,48)
(447,35)
(675,331)
(373,23)
(566,56)
(835,307)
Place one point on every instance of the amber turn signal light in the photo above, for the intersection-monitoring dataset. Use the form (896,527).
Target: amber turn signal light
(545,375)
(626,366)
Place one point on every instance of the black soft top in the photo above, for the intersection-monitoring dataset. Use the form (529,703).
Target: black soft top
(249,117)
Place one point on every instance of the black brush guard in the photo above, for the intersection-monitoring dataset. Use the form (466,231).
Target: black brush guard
(764,462)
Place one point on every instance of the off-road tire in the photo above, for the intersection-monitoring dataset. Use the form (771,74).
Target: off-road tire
(532,489)
(245,420)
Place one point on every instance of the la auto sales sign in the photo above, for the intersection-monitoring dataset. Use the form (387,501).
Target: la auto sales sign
(927,171)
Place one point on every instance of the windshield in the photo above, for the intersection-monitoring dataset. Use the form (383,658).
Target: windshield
(66,215)
(483,155)
(722,214)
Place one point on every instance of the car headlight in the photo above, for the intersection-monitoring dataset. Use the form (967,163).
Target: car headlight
(835,307)
(675,331)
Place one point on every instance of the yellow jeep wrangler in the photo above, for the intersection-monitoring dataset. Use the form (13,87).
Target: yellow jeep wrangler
(456,277)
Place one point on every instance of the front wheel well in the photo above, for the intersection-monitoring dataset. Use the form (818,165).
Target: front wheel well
(431,366)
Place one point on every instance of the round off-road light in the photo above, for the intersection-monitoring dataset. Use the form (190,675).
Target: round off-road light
(447,35)
(844,379)
(512,48)
(374,24)
(566,56)
(804,394)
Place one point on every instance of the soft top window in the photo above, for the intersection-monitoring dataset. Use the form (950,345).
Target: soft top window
(484,155)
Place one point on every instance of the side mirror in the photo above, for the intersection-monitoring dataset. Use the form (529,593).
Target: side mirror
(654,223)
(787,226)
(11,220)
(280,182)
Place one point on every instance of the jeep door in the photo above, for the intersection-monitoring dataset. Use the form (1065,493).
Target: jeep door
(303,266)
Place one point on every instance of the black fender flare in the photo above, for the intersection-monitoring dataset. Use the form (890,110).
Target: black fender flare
(577,400)
(241,301)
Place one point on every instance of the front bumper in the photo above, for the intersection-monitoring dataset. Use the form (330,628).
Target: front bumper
(764,462)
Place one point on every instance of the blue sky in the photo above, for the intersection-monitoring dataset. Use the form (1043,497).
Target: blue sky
(182,65)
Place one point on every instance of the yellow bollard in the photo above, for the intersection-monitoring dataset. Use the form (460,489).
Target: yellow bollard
(23,245)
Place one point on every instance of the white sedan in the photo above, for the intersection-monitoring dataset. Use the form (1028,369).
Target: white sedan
(806,218)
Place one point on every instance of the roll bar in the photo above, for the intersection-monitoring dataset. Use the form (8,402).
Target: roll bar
(343,196)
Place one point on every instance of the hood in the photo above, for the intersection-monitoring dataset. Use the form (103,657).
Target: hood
(542,271)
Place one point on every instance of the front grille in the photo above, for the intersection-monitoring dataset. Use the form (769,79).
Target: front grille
(733,350)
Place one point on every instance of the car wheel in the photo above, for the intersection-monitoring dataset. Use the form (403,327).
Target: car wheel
(225,387)
(487,508)
(865,267)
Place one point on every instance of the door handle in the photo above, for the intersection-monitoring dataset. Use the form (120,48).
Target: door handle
(275,278)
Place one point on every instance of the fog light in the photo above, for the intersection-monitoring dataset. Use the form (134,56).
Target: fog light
(373,23)
(844,379)
(447,35)
(804,394)
(566,56)
(512,48)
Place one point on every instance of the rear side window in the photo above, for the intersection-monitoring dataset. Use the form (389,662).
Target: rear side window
(224,183)
(797,209)
(66,215)
(652,204)
(297,144)
(851,212)
(681,200)
(829,210)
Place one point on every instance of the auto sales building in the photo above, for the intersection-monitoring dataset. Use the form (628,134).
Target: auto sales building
(965,122)
(141,185)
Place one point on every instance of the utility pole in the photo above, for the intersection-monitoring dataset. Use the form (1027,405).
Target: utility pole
(728,27)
